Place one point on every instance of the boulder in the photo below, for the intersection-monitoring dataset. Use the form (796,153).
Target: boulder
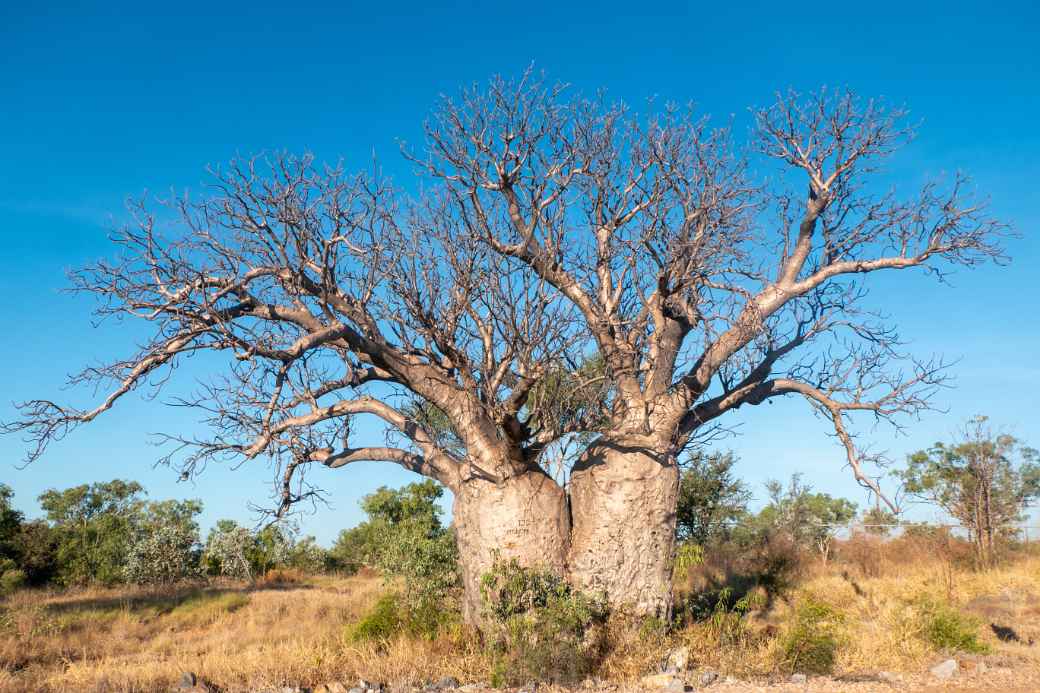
(945,670)
(798,678)
(656,680)
(678,659)
(708,677)
(890,678)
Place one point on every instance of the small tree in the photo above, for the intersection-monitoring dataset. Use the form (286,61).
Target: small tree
(878,521)
(403,537)
(809,518)
(227,550)
(165,555)
(95,526)
(710,499)
(36,548)
(167,545)
(10,522)
(308,556)
(985,480)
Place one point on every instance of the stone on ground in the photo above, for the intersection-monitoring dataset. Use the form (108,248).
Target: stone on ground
(945,670)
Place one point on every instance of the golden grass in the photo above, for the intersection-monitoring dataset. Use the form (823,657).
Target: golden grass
(236,638)
(292,632)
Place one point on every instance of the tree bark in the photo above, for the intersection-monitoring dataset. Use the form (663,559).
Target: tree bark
(524,517)
(623,497)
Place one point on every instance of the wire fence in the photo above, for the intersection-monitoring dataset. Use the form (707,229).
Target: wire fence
(1025,533)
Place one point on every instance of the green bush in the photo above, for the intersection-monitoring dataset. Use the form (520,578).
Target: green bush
(392,616)
(947,629)
(162,556)
(811,643)
(539,628)
(11,579)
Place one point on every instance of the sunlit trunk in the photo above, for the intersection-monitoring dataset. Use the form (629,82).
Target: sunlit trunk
(524,517)
(623,499)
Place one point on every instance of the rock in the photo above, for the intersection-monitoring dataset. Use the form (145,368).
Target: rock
(676,685)
(890,678)
(945,670)
(798,678)
(709,677)
(657,680)
(666,682)
(446,683)
(334,687)
(188,680)
(678,659)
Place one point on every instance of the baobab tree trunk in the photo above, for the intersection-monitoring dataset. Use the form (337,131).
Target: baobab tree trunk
(623,497)
(524,517)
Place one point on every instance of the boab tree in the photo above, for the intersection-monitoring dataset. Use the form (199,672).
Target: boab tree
(700,290)
(324,297)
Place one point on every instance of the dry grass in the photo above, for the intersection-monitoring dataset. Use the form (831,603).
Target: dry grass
(236,638)
(290,630)
(884,616)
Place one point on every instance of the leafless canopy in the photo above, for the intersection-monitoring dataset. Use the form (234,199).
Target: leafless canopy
(327,297)
(578,268)
(701,288)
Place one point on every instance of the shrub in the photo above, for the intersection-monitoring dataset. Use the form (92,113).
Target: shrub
(283,576)
(227,551)
(37,549)
(164,555)
(811,642)
(11,579)
(947,629)
(727,622)
(393,616)
(426,558)
(307,556)
(381,624)
(539,628)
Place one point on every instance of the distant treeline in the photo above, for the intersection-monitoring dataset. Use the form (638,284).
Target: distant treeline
(109,533)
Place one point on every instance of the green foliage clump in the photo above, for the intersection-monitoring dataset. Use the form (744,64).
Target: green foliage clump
(227,551)
(810,644)
(403,537)
(947,629)
(11,577)
(237,552)
(727,621)
(538,627)
(382,623)
(810,519)
(10,522)
(95,524)
(393,616)
(163,556)
(711,500)
(985,481)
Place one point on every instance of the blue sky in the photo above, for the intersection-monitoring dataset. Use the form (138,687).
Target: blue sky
(100,104)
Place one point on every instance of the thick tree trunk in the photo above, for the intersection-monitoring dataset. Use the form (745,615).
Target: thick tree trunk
(623,512)
(524,517)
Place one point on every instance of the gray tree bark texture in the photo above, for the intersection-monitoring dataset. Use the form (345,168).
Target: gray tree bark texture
(523,518)
(623,513)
